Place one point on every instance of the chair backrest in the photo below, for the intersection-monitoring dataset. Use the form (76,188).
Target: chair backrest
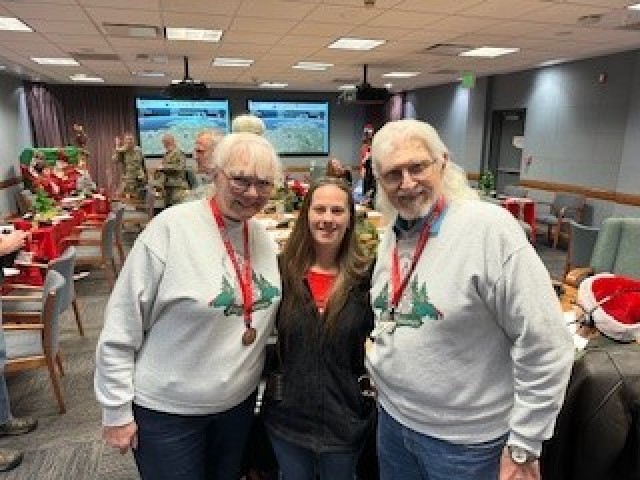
(581,242)
(617,249)
(50,316)
(515,191)
(119,214)
(573,203)
(108,235)
(64,265)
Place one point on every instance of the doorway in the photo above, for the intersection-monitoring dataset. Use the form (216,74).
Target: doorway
(505,146)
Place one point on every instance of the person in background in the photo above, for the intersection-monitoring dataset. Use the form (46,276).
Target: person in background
(32,173)
(318,426)
(248,123)
(182,349)
(597,434)
(9,425)
(174,165)
(335,169)
(203,150)
(369,182)
(470,354)
(129,158)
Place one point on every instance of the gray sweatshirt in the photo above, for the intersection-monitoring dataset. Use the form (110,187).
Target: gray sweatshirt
(171,340)
(480,348)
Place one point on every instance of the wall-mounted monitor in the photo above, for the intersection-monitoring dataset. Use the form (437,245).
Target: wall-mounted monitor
(183,118)
(295,128)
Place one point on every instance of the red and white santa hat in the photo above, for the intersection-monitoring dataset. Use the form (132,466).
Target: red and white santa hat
(615,301)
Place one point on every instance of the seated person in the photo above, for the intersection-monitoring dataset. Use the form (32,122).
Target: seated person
(597,433)
(32,172)
(66,176)
(335,169)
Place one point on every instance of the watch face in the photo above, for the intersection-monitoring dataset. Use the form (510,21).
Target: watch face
(519,455)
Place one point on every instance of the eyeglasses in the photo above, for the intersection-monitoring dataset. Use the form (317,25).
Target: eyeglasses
(416,169)
(241,184)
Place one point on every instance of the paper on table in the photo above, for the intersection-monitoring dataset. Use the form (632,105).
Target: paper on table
(9,271)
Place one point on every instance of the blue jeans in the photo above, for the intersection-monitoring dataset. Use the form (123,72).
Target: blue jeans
(192,447)
(299,463)
(405,454)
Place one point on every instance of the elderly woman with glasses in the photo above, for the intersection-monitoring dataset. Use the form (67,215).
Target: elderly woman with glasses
(182,349)
(469,351)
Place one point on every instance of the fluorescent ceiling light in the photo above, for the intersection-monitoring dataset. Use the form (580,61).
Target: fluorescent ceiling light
(388,85)
(347,87)
(14,25)
(273,85)
(488,52)
(232,62)
(315,66)
(148,73)
(549,63)
(346,43)
(193,34)
(143,31)
(83,77)
(635,6)
(55,61)
(401,74)
(2,67)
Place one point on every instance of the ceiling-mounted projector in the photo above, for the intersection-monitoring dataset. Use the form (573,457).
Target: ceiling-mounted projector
(188,88)
(365,93)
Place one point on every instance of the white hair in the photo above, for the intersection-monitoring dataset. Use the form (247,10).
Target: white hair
(212,137)
(248,123)
(257,149)
(393,134)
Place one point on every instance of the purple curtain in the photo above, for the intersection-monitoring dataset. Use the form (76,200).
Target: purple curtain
(46,115)
(104,112)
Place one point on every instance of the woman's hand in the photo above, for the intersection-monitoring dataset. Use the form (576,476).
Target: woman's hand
(121,437)
(10,242)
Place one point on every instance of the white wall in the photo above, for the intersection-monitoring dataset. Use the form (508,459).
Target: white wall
(15,134)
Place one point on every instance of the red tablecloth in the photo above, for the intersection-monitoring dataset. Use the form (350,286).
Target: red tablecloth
(523,209)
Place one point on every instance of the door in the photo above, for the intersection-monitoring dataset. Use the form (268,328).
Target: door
(505,149)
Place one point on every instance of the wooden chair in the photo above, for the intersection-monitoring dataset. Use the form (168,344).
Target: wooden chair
(35,345)
(565,207)
(24,310)
(98,253)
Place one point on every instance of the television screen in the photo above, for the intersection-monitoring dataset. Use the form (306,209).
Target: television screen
(183,118)
(295,128)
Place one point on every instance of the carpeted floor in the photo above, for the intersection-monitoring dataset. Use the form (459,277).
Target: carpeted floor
(68,447)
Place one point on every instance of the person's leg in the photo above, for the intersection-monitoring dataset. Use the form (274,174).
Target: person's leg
(294,462)
(337,466)
(227,435)
(443,460)
(170,447)
(396,461)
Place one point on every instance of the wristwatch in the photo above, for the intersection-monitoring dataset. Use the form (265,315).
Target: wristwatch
(520,456)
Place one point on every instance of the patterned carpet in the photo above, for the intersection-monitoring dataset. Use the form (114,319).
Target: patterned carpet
(68,447)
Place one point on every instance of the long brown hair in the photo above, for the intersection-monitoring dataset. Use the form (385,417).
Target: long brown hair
(299,255)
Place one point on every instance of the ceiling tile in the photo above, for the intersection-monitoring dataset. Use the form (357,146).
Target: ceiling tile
(565,14)
(251,37)
(382,33)
(345,15)
(253,24)
(505,8)
(34,11)
(405,19)
(436,6)
(129,16)
(242,50)
(213,22)
(322,29)
(276,9)
(126,4)
(210,7)
(73,28)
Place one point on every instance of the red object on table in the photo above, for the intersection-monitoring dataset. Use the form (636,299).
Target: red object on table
(523,209)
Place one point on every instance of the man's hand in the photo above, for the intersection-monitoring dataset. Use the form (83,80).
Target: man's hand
(121,437)
(10,242)
(509,470)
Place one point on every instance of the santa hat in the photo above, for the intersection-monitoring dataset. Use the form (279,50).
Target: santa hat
(615,302)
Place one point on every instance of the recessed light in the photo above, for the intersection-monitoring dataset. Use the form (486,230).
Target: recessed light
(193,34)
(83,77)
(346,43)
(635,6)
(401,74)
(55,61)
(488,52)
(347,87)
(273,85)
(13,24)
(315,66)
(232,62)
(148,73)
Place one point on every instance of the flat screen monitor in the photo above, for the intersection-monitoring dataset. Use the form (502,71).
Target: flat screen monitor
(183,118)
(295,128)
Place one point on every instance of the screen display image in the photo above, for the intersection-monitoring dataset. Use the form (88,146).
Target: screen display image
(295,128)
(182,118)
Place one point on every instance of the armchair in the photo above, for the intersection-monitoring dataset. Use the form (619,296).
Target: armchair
(515,191)
(565,207)
(581,242)
(616,250)
(36,344)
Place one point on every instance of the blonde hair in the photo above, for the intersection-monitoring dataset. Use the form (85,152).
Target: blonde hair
(455,186)
(248,123)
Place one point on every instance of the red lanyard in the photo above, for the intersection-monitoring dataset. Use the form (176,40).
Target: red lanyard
(245,279)
(397,286)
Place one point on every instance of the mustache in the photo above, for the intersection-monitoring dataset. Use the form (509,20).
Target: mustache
(412,193)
